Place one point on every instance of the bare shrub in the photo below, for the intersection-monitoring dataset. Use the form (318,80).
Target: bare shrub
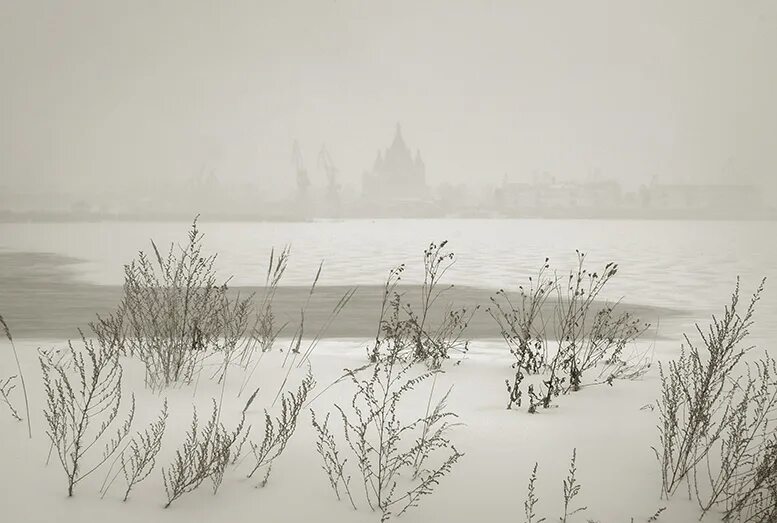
(21,380)
(586,336)
(82,403)
(745,485)
(522,324)
(694,390)
(173,313)
(393,462)
(717,419)
(413,335)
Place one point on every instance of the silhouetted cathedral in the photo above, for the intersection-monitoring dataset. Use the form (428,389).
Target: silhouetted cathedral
(396,174)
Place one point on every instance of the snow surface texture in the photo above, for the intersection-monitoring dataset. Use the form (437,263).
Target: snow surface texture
(608,426)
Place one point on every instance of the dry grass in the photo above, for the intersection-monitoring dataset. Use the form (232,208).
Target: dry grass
(278,431)
(395,458)
(204,455)
(411,333)
(570,490)
(717,411)
(21,379)
(581,336)
(6,388)
(173,314)
(82,404)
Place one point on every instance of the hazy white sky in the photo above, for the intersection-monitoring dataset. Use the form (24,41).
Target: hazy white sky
(109,92)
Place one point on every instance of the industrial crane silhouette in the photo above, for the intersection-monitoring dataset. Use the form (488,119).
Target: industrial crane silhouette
(303,181)
(325,162)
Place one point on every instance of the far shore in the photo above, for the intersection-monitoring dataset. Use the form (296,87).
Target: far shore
(636,214)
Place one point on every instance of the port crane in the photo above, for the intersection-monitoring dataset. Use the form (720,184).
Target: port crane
(303,181)
(325,162)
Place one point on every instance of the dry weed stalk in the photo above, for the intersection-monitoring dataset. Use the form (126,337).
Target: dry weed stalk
(264,331)
(81,407)
(334,463)
(411,334)
(6,387)
(140,461)
(295,357)
(278,431)
(717,413)
(570,488)
(204,455)
(21,377)
(390,458)
(173,314)
(531,499)
(522,324)
(587,336)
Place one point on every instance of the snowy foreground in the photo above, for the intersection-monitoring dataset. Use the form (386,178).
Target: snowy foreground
(611,428)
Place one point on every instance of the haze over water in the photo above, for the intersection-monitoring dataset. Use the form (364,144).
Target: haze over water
(291,110)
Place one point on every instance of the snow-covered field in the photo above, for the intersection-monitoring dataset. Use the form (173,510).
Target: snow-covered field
(611,428)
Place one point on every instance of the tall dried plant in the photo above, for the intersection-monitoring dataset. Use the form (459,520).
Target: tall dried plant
(395,458)
(6,388)
(82,404)
(20,374)
(279,430)
(587,335)
(140,459)
(265,330)
(570,489)
(717,413)
(173,313)
(204,455)
(412,333)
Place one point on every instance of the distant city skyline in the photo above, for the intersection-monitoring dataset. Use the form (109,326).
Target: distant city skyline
(96,99)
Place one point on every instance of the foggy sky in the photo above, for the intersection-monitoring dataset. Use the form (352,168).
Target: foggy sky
(133,93)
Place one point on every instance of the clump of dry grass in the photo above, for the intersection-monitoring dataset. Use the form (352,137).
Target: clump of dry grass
(265,331)
(278,431)
(522,324)
(578,338)
(205,454)
(413,334)
(138,457)
(173,313)
(395,458)
(8,387)
(334,462)
(82,404)
(570,489)
(140,460)
(296,356)
(717,413)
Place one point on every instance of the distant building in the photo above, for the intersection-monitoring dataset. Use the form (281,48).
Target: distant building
(396,174)
(715,199)
(546,196)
